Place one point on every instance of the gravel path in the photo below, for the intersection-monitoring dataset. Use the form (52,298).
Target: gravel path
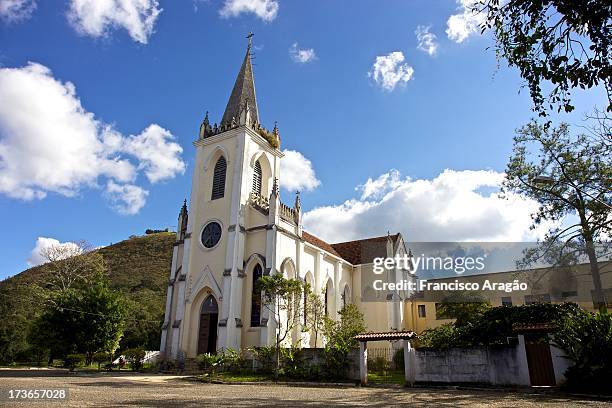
(112,389)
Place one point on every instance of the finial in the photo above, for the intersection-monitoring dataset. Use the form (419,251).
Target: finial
(275,130)
(298,203)
(250,38)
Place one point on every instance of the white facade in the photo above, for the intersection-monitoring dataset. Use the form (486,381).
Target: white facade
(210,298)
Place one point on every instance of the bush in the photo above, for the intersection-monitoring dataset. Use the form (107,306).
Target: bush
(100,357)
(134,357)
(265,356)
(291,362)
(494,326)
(587,341)
(440,338)
(233,360)
(211,363)
(73,361)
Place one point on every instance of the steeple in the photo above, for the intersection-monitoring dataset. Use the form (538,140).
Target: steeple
(243,92)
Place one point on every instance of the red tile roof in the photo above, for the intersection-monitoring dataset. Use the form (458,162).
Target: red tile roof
(318,242)
(394,335)
(355,252)
(364,250)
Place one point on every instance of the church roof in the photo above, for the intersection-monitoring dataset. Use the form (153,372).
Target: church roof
(318,242)
(355,252)
(364,251)
(243,91)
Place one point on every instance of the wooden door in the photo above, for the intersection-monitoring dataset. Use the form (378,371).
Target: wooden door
(204,333)
(539,360)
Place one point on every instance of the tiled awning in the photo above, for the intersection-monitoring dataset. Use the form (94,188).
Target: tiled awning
(394,335)
(534,327)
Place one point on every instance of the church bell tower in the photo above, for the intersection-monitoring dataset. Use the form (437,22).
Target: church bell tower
(237,162)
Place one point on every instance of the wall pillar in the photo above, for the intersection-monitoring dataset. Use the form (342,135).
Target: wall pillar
(409,363)
(363,362)
(523,365)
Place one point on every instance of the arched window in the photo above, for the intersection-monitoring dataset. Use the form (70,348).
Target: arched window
(305,305)
(218,185)
(256,298)
(345,297)
(257,178)
(325,300)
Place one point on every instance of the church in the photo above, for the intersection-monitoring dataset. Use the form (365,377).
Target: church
(236,230)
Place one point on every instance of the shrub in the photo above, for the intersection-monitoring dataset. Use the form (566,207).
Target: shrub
(233,360)
(134,357)
(100,357)
(211,363)
(73,361)
(265,356)
(587,341)
(291,360)
(441,337)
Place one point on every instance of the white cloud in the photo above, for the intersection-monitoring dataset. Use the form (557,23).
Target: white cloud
(462,25)
(43,244)
(297,172)
(50,143)
(450,207)
(390,70)
(302,55)
(427,41)
(96,17)
(159,156)
(13,11)
(264,9)
(126,199)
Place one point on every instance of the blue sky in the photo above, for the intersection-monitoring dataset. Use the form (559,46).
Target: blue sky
(452,110)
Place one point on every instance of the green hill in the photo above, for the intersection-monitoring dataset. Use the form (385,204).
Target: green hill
(138,267)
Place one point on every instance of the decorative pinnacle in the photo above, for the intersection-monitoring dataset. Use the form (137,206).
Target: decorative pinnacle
(298,204)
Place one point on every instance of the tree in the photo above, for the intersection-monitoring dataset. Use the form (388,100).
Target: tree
(282,299)
(68,266)
(314,313)
(340,337)
(566,43)
(83,320)
(566,175)
(464,309)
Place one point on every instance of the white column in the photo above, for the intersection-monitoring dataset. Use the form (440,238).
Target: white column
(363,362)
(523,364)
(409,363)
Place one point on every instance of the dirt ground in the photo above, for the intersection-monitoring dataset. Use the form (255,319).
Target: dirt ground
(123,389)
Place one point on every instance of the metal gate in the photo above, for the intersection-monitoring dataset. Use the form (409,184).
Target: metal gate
(539,360)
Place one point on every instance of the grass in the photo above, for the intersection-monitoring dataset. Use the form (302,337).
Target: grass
(388,377)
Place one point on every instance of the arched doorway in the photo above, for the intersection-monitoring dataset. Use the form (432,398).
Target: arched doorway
(207,334)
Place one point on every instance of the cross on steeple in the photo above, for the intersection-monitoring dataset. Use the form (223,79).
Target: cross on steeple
(250,38)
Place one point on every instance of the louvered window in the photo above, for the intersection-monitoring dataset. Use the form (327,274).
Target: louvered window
(256,298)
(218,187)
(257,179)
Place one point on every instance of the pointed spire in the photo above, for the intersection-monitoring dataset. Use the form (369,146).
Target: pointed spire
(244,89)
